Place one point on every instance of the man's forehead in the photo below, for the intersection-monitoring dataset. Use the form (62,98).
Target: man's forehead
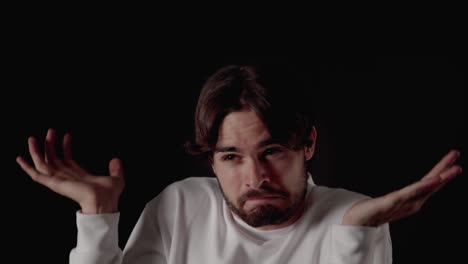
(248,136)
(226,147)
(240,120)
(243,129)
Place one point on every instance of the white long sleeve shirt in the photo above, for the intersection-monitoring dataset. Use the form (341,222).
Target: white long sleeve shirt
(189,222)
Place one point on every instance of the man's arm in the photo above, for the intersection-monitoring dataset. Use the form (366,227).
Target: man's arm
(97,240)
(97,195)
(360,245)
(406,201)
(364,237)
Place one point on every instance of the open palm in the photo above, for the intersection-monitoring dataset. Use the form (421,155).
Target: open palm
(406,201)
(95,194)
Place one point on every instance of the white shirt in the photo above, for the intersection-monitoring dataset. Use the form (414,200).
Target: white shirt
(189,222)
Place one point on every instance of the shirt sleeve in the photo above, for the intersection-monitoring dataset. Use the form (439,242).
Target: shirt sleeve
(146,244)
(97,240)
(360,245)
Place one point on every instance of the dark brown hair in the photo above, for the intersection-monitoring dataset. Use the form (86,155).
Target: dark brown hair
(273,90)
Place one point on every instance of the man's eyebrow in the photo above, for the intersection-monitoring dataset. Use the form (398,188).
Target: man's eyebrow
(225,149)
(263,143)
(267,142)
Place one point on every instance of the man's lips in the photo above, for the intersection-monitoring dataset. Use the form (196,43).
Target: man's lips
(264,200)
(268,197)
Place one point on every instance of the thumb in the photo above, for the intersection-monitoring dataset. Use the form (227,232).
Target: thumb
(116,168)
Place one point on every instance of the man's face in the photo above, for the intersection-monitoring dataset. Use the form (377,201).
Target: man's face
(263,182)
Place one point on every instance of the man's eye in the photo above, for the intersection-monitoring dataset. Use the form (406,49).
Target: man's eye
(271,151)
(229,157)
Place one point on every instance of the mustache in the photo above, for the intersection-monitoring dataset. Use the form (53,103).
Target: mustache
(264,191)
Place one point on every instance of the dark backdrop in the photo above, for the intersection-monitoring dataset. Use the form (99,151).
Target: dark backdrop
(383,122)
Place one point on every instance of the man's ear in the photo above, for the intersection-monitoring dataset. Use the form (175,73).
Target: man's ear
(309,149)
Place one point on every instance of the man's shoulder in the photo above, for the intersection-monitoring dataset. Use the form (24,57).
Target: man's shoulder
(336,195)
(189,190)
(193,184)
(333,199)
(183,201)
(340,193)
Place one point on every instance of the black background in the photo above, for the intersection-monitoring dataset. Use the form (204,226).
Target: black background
(383,122)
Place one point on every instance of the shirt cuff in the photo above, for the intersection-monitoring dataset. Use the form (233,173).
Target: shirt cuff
(97,232)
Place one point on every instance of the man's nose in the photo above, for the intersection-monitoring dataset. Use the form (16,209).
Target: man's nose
(257,174)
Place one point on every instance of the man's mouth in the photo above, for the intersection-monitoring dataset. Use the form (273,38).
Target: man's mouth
(266,197)
(259,200)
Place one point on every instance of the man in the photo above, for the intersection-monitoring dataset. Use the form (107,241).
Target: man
(254,127)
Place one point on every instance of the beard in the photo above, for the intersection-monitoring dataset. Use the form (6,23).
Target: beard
(267,214)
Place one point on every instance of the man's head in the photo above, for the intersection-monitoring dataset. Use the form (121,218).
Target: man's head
(252,125)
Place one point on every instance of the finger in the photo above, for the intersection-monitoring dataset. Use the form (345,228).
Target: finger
(67,153)
(36,156)
(450,173)
(415,202)
(445,162)
(33,173)
(50,153)
(406,201)
(418,190)
(445,171)
(445,177)
(116,168)
(78,171)
(25,166)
